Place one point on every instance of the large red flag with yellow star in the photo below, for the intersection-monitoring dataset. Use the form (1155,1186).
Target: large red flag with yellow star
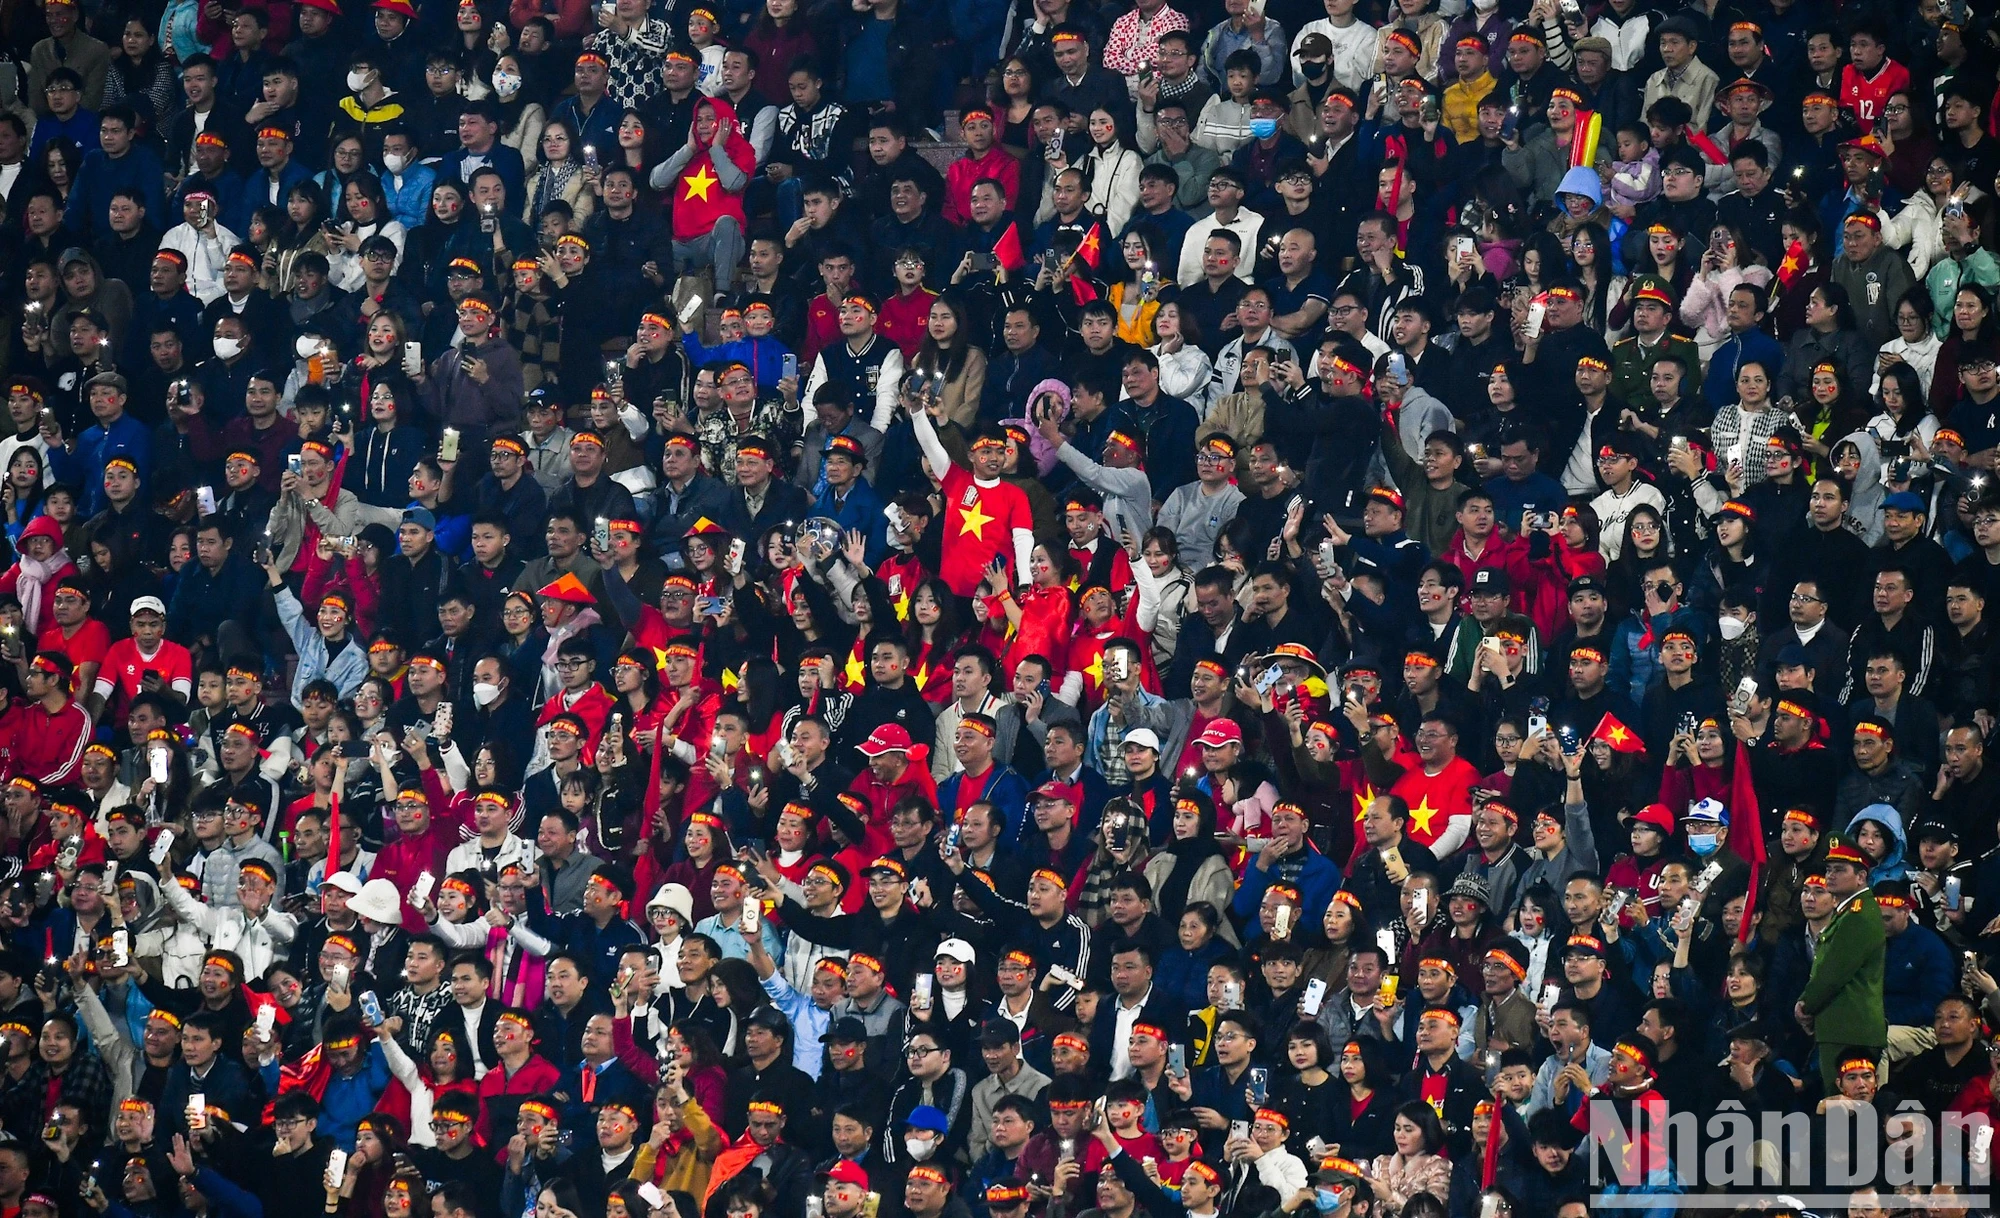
(699,198)
(1622,739)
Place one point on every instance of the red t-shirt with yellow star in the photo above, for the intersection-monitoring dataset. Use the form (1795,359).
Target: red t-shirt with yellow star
(1435,799)
(979,524)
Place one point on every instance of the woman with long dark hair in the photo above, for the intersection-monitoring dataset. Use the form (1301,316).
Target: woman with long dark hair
(949,354)
(140,76)
(1970,327)
(935,630)
(1646,543)
(1361,1124)
(781,37)
(1189,867)
(363,212)
(1603,286)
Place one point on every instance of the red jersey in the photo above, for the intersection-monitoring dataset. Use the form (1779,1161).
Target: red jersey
(906,319)
(1868,97)
(1435,799)
(125,667)
(88,645)
(822,329)
(979,525)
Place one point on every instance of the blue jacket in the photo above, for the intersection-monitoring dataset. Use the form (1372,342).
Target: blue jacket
(1918,970)
(202,602)
(765,357)
(1718,389)
(1004,788)
(1309,871)
(127,437)
(862,510)
(409,194)
(256,193)
(89,209)
(1633,667)
(346,669)
(350,1098)
(80,126)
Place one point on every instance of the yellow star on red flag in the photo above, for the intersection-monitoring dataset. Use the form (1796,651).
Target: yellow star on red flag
(699,182)
(975,522)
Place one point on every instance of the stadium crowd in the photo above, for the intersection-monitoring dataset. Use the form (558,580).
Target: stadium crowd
(937,609)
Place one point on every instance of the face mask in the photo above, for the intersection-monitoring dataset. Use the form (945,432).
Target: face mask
(228,348)
(484,694)
(919,1148)
(506,84)
(395,162)
(1702,843)
(357,81)
(1263,128)
(1326,1200)
(1731,627)
(1486,5)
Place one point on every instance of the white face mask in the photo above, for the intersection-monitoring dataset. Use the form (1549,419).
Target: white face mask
(357,81)
(484,694)
(919,1148)
(506,84)
(228,348)
(395,162)
(1731,627)
(1486,5)
(306,345)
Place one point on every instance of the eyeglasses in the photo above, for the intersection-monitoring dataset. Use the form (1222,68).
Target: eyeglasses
(571,665)
(1800,598)
(1176,123)
(920,1051)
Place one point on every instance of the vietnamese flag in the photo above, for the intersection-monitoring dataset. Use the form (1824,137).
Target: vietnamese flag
(1007,250)
(1794,264)
(1092,250)
(1622,739)
(1081,290)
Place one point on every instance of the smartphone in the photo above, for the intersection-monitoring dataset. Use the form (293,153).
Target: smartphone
(753,923)
(790,368)
(292,465)
(197,1111)
(336,1168)
(1739,702)
(1420,904)
(421,890)
(1269,678)
(921,992)
(1954,892)
(448,445)
(1315,995)
(341,974)
(1239,1129)
(737,549)
(1537,310)
(1551,994)
(1177,1060)
(1232,995)
(371,1009)
(1391,983)
(1511,125)
(600,535)
(650,1193)
(162,843)
(413,358)
(204,497)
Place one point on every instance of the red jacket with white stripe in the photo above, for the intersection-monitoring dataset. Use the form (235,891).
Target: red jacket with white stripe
(46,747)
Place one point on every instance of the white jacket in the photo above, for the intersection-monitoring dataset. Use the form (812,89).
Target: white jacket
(228,929)
(1114,187)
